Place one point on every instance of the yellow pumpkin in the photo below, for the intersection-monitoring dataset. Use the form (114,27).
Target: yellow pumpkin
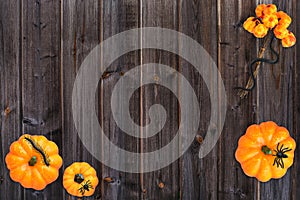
(265,151)
(33,161)
(80,179)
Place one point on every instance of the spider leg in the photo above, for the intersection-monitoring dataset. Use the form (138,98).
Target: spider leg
(281,163)
(81,190)
(275,161)
(286,150)
(278,162)
(281,147)
(277,146)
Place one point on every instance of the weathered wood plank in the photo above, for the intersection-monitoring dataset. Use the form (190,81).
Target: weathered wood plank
(43,43)
(10,95)
(41,78)
(295,190)
(119,16)
(80,34)
(236,49)
(275,102)
(162,14)
(198,19)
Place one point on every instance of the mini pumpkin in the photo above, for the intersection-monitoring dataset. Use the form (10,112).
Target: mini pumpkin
(265,151)
(80,179)
(33,161)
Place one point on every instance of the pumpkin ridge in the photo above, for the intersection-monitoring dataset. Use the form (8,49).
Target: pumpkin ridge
(20,146)
(19,168)
(261,129)
(257,152)
(276,132)
(259,171)
(268,163)
(27,177)
(70,185)
(273,134)
(86,171)
(53,161)
(252,139)
(13,154)
(248,135)
(246,165)
(41,174)
(48,145)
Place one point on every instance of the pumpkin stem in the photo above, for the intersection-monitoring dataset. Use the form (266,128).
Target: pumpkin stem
(32,161)
(266,150)
(78,178)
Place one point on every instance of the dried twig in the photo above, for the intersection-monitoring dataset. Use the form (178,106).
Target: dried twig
(243,93)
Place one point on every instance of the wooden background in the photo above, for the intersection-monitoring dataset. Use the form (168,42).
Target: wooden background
(43,43)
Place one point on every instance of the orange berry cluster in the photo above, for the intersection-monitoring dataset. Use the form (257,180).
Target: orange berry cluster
(268,18)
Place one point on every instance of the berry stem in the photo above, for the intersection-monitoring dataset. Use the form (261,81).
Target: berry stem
(243,92)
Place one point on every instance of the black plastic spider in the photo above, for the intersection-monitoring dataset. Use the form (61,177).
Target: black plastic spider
(280,154)
(85,187)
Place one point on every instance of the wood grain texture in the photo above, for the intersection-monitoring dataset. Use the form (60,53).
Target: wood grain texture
(236,48)
(10,91)
(41,106)
(119,16)
(275,99)
(198,20)
(80,34)
(44,42)
(295,189)
(162,14)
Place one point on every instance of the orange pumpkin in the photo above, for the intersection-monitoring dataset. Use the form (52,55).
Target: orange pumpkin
(265,151)
(33,161)
(80,179)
